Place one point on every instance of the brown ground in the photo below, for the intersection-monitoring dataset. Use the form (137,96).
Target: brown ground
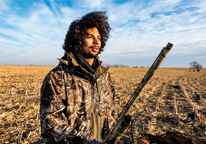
(160,107)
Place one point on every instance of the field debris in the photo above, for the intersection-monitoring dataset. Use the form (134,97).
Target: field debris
(196,96)
(160,107)
(176,87)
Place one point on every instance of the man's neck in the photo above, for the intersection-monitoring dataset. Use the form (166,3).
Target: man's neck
(90,61)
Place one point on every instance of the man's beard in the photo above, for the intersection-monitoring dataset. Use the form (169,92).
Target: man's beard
(90,55)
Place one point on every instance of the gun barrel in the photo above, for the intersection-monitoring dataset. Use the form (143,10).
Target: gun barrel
(110,138)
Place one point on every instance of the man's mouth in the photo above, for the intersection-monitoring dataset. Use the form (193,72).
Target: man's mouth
(95,49)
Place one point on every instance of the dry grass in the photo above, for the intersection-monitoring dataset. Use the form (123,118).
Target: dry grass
(160,107)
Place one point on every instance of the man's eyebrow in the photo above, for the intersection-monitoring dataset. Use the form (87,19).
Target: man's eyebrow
(93,35)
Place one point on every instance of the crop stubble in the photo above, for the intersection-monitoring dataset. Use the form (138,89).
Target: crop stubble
(159,108)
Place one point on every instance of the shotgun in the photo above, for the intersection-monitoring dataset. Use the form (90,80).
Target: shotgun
(124,120)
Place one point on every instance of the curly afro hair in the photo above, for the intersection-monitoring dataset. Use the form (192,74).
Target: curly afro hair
(76,34)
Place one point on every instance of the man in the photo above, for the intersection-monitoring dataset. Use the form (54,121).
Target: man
(77,97)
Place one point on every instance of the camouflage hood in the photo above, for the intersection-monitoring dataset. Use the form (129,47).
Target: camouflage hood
(80,67)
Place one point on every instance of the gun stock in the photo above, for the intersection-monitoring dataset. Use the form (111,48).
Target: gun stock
(123,121)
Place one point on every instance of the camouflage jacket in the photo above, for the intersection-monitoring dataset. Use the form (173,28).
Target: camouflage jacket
(76,104)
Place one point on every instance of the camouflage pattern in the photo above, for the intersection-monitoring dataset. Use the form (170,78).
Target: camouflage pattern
(73,107)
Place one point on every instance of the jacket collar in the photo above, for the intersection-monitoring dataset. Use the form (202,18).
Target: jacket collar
(90,68)
(70,59)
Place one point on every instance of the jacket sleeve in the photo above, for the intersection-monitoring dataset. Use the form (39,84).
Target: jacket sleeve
(54,123)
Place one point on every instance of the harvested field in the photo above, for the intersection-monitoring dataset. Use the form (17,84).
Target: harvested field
(163,105)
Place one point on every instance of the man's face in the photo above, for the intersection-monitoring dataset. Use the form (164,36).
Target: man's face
(92,44)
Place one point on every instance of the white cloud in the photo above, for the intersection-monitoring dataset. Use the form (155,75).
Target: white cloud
(148,29)
(139,29)
(3,5)
(93,4)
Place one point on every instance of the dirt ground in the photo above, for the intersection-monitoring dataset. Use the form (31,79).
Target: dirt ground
(163,105)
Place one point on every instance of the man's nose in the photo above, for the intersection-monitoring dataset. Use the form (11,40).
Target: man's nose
(96,40)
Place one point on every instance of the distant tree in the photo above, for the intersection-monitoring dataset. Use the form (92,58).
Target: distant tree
(116,65)
(107,65)
(123,66)
(198,67)
(194,65)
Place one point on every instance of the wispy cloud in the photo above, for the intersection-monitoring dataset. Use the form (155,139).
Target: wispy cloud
(3,6)
(36,30)
(158,23)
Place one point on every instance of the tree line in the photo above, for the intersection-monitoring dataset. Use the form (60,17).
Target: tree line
(194,66)
(116,66)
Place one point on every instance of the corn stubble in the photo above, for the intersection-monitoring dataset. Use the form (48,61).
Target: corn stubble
(19,103)
(159,108)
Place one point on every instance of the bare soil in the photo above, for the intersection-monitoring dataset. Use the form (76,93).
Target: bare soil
(163,105)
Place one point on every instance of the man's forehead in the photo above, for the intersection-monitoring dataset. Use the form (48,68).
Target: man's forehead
(92,31)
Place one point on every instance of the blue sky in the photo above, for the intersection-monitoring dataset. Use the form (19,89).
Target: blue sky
(32,32)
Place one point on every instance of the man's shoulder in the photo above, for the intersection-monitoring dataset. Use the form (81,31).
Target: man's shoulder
(57,71)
